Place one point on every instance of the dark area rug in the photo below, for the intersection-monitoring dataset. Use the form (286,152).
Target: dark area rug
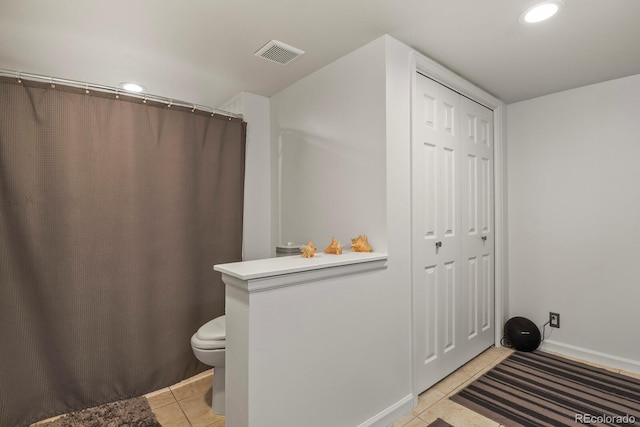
(124,413)
(539,389)
(439,423)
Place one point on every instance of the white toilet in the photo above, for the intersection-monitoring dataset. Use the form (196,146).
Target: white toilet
(208,345)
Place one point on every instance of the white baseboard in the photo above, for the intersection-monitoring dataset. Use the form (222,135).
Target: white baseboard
(591,356)
(391,414)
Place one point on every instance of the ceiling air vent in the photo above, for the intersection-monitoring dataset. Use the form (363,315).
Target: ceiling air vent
(279,52)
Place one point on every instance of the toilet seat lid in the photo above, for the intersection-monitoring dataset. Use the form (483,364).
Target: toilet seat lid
(199,344)
(213,330)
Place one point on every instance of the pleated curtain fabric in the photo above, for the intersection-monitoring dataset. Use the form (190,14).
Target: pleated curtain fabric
(112,215)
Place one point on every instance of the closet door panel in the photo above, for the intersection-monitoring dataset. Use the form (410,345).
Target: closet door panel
(436,224)
(477,243)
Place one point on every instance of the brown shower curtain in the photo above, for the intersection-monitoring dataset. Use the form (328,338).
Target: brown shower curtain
(112,215)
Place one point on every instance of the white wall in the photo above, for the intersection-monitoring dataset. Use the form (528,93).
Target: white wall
(328,153)
(257,195)
(574,215)
(347,126)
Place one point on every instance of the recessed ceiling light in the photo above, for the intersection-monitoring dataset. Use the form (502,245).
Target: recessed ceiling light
(541,11)
(132,87)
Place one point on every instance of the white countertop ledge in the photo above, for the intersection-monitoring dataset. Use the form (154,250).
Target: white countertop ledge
(263,274)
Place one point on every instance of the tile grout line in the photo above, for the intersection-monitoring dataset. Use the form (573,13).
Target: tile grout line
(180,406)
(183,412)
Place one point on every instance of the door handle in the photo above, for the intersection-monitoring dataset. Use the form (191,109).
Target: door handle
(484,238)
(438,245)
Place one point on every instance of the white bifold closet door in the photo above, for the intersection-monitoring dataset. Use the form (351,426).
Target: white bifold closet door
(452,227)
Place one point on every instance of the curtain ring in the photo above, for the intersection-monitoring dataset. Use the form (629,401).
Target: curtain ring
(18,79)
(117,94)
(86,88)
(170,103)
(53,86)
(193,109)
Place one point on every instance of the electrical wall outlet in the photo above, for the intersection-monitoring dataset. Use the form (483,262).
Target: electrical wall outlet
(554,320)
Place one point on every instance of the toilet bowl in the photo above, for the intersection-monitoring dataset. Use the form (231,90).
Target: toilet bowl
(208,345)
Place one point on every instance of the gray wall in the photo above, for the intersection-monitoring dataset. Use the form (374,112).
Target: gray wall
(340,167)
(574,217)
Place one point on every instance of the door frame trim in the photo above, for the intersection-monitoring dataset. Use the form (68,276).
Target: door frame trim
(437,72)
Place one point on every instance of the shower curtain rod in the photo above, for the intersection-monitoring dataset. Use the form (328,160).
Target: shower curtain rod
(110,89)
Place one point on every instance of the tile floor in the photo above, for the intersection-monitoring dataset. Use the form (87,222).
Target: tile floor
(434,403)
(188,403)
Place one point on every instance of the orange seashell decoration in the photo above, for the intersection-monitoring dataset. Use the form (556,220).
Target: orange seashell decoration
(334,247)
(309,250)
(312,246)
(360,244)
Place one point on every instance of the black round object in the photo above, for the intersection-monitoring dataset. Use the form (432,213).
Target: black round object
(522,334)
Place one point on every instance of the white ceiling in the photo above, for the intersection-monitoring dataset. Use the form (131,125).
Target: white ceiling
(201,51)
